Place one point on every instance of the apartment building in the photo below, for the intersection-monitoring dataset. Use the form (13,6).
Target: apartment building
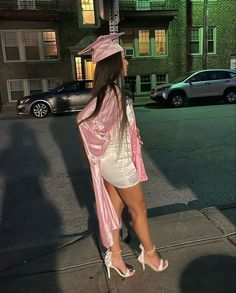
(40,41)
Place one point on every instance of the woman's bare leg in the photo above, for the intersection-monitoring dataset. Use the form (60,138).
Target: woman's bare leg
(133,197)
(118,204)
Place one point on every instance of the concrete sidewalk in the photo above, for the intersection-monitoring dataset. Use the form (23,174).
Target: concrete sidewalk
(200,247)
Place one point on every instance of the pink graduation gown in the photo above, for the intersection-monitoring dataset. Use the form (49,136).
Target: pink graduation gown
(96,133)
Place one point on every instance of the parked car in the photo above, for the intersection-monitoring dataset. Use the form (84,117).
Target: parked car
(200,84)
(68,97)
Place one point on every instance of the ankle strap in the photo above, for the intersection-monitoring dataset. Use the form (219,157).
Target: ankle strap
(116,252)
(151,251)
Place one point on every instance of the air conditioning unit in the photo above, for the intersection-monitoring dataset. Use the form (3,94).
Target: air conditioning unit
(129,52)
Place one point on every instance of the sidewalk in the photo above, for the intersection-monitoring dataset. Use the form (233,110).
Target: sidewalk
(200,247)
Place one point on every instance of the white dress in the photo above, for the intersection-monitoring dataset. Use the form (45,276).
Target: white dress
(117,166)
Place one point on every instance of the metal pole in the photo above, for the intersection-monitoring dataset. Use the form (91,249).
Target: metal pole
(205,35)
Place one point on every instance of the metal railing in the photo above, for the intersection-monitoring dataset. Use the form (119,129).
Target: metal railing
(148,5)
(28,4)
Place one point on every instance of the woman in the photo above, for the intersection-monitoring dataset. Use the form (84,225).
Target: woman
(112,144)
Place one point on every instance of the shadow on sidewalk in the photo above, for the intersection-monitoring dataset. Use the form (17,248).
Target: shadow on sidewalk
(210,274)
(28,218)
(66,135)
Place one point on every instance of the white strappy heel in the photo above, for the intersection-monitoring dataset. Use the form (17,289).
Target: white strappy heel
(108,262)
(161,266)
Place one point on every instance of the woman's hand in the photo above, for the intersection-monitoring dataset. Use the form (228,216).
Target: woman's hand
(139,137)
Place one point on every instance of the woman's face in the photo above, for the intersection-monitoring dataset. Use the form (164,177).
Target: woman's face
(125,65)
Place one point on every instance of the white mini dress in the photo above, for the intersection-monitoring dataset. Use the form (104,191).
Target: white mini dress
(117,166)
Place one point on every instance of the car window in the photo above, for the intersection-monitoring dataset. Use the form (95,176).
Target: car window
(202,76)
(220,75)
(70,87)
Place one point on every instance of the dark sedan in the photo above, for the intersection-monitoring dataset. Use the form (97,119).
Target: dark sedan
(69,97)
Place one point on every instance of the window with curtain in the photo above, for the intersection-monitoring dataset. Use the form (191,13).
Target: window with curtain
(88,12)
(11,45)
(35,86)
(16,89)
(194,41)
(160,42)
(144,42)
(31,44)
(50,45)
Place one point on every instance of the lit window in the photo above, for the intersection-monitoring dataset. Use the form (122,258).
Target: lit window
(50,45)
(89,72)
(35,86)
(160,42)
(16,89)
(31,44)
(78,67)
(144,42)
(88,13)
(10,42)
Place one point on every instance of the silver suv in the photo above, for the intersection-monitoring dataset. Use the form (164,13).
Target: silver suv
(199,84)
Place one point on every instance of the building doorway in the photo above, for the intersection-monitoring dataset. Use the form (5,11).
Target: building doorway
(85,68)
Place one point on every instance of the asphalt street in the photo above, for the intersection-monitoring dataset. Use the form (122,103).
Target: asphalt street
(45,187)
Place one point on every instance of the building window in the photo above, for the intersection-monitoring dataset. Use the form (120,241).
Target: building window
(88,12)
(144,42)
(212,40)
(50,45)
(78,67)
(194,41)
(161,78)
(145,83)
(26,4)
(16,89)
(127,39)
(11,46)
(53,83)
(35,86)
(29,45)
(19,88)
(130,83)
(143,4)
(160,42)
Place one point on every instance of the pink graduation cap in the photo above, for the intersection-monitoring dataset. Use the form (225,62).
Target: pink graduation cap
(103,47)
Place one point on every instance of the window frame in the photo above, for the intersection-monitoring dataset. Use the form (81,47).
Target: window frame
(149,43)
(21,45)
(200,39)
(96,15)
(26,85)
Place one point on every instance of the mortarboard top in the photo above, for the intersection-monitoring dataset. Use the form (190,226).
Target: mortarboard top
(103,47)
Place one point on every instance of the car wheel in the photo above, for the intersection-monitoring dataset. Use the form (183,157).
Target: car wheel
(40,110)
(230,96)
(177,100)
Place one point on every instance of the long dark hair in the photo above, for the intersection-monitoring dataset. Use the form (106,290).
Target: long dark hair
(107,73)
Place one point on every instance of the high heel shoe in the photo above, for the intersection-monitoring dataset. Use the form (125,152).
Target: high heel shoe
(108,262)
(161,266)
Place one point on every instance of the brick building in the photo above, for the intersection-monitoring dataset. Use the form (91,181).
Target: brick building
(40,40)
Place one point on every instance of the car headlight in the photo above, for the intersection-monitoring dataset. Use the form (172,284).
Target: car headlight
(23,101)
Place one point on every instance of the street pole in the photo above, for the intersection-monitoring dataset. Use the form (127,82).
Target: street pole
(205,35)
